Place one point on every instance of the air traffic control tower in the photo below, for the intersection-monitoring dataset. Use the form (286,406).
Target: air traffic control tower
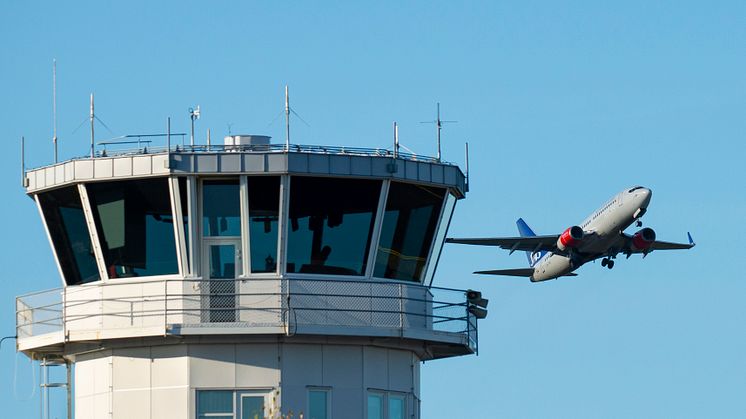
(246,280)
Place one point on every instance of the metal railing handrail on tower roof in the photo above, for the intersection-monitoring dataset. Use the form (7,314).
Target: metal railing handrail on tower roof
(108,152)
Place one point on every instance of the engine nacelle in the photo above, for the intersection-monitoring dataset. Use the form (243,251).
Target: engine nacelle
(643,239)
(570,238)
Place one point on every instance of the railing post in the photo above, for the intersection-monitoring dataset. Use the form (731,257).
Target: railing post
(468,324)
(64,313)
(165,307)
(401,310)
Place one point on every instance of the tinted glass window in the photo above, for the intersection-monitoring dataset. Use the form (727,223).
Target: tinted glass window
(440,237)
(331,222)
(409,223)
(264,210)
(210,403)
(375,406)
(317,404)
(65,220)
(396,407)
(135,227)
(221,208)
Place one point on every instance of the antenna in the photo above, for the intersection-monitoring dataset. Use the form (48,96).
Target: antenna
(54,107)
(438,124)
(208,139)
(23,162)
(193,115)
(466,151)
(168,134)
(287,119)
(92,117)
(396,140)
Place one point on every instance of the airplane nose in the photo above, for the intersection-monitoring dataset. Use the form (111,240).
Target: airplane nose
(645,194)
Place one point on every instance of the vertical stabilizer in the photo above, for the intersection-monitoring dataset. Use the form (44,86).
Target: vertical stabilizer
(525,231)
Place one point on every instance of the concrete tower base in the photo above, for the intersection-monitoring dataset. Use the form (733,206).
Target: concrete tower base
(165,381)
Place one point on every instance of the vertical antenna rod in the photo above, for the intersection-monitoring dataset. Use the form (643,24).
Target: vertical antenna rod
(467,166)
(396,140)
(54,107)
(287,119)
(193,115)
(93,116)
(168,134)
(438,126)
(208,139)
(23,162)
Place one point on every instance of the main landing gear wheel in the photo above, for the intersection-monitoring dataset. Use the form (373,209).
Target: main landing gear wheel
(604,261)
(607,263)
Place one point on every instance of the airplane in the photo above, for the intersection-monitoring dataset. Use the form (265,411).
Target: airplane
(601,235)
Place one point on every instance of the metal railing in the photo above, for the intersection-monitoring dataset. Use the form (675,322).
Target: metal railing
(286,306)
(110,150)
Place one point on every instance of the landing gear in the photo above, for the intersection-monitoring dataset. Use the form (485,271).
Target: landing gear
(607,263)
(639,223)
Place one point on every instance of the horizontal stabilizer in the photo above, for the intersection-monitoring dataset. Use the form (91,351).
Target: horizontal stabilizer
(525,272)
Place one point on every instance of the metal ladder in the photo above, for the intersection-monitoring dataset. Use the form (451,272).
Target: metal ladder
(46,363)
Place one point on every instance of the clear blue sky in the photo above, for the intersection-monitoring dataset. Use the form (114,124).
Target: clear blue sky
(563,103)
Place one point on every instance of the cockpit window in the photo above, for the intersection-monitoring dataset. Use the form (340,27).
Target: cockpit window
(635,188)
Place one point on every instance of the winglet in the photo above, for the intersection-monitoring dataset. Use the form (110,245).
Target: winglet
(689,235)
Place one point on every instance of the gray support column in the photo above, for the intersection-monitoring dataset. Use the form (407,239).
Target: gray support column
(97,251)
(177,215)
(245,242)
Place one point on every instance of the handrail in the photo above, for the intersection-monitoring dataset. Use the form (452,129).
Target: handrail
(245,148)
(328,304)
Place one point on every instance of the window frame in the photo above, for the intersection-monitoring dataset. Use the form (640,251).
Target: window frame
(181,234)
(386,396)
(94,245)
(236,394)
(246,227)
(428,257)
(203,240)
(376,392)
(95,237)
(327,391)
(428,273)
(374,234)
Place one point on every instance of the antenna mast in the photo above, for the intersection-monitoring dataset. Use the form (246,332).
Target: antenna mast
(287,119)
(438,125)
(466,152)
(54,107)
(92,116)
(193,115)
(396,140)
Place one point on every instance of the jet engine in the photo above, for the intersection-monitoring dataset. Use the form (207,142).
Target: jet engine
(570,238)
(643,239)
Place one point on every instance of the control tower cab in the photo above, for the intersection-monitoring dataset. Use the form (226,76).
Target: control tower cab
(247,280)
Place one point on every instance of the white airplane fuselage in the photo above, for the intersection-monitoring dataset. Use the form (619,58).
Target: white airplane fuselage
(601,231)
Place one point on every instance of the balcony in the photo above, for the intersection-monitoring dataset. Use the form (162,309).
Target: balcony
(436,317)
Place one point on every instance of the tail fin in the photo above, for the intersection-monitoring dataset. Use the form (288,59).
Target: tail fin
(525,231)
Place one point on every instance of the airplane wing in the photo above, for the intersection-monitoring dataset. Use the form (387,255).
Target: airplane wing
(525,272)
(529,244)
(656,245)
